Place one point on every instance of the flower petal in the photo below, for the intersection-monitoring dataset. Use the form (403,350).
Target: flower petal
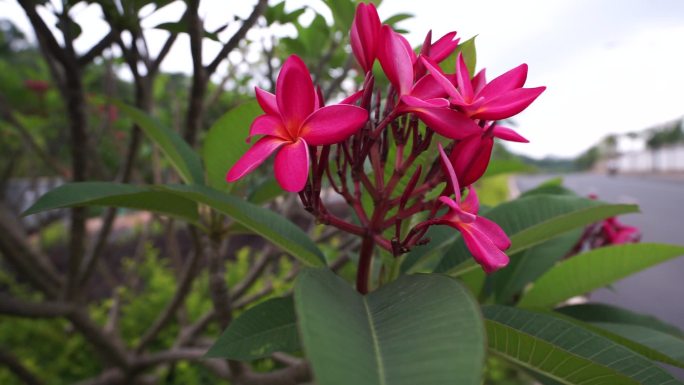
(267,101)
(353,98)
(471,204)
(508,134)
(254,157)
(443,47)
(509,104)
(333,124)
(456,214)
(395,60)
(463,79)
(470,158)
(442,80)
(268,125)
(427,87)
(510,80)
(295,92)
(292,166)
(364,34)
(444,121)
(448,170)
(479,81)
(493,231)
(485,252)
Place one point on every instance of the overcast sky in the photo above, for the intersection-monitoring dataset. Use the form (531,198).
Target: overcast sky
(611,66)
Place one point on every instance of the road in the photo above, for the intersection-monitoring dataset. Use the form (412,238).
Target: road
(659,290)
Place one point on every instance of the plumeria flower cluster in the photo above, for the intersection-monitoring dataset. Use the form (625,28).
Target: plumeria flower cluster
(430,130)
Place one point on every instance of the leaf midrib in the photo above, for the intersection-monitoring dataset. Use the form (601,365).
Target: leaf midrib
(376,344)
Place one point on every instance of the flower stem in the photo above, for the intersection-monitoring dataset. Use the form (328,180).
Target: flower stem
(365,262)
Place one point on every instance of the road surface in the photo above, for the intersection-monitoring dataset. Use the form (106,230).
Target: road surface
(659,290)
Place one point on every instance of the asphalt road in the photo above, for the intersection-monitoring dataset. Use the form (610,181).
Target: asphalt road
(659,290)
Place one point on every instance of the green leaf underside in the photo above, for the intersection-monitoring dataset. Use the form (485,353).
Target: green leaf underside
(566,352)
(116,195)
(268,327)
(419,329)
(664,343)
(226,142)
(530,264)
(644,334)
(595,269)
(532,220)
(182,157)
(599,312)
(273,227)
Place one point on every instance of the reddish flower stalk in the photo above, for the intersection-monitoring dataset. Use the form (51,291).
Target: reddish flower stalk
(379,153)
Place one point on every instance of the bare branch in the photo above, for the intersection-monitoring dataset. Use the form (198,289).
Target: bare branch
(50,162)
(337,82)
(184,286)
(98,48)
(23,308)
(255,271)
(234,40)
(14,365)
(28,262)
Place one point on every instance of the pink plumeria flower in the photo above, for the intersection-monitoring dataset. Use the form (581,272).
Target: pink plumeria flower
(292,122)
(484,238)
(618,233)
(365,35)
(501,98)
(425,97)
(470,157)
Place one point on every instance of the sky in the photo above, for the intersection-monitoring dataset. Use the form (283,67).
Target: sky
(611,66)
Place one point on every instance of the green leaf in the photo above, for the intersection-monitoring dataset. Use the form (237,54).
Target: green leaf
(469,56)
(265,191)
(595,269)
(268,327)
(530,221)
(440,236)
(399,17)
(226,142)
(598,312)
(275,228)
(552,186)
(419,329)
(564,351)
(116,195)
(530,264)
(651,343)
(182,157)
(343,13)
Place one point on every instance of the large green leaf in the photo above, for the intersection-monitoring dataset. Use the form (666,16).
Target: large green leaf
(116,195)
(226,142)
(343,13)
(534,219)
(182,157)
(277,229)
(467,48)
(668,345)
(564,351)
(645,334)
(419,329)
(594,269)
(598,312)
(268,327)
(530,264)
